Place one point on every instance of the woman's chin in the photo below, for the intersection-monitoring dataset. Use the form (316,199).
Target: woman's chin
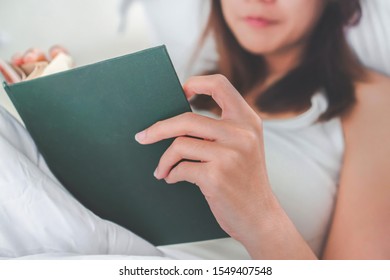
(260,49)
(260,46)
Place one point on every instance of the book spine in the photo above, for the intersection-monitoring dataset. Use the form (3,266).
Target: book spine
(8,91)
(164,49)
(12,97)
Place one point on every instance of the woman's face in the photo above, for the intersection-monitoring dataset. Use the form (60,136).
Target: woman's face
(268,27)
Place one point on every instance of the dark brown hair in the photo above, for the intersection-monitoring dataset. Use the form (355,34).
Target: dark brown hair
(328,64)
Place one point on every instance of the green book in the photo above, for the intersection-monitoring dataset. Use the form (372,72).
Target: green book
(83,121)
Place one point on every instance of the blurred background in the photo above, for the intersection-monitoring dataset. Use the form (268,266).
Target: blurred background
(94,30)
(89,29)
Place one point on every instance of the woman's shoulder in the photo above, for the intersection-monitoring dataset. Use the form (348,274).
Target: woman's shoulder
(371,113)
(372,97)
(374,85)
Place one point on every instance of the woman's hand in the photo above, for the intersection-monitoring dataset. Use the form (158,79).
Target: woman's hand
(34,55)
(226,157)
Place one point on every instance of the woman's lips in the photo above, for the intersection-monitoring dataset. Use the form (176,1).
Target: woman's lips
(259,21)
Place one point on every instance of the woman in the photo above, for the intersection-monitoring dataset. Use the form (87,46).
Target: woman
(294,168)
(320,188)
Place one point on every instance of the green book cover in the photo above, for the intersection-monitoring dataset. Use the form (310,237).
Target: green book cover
(84,120)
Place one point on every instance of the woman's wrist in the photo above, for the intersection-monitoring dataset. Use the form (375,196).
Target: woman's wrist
(274,236)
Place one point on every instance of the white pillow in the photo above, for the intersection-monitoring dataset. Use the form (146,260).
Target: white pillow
(371,38)
(178,25)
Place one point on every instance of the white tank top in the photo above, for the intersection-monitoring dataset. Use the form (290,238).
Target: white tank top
(303,158)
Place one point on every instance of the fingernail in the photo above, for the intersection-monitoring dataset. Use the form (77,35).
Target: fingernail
(140,136)
(155,174)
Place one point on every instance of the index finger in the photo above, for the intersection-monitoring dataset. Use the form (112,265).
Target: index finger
(221,90)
